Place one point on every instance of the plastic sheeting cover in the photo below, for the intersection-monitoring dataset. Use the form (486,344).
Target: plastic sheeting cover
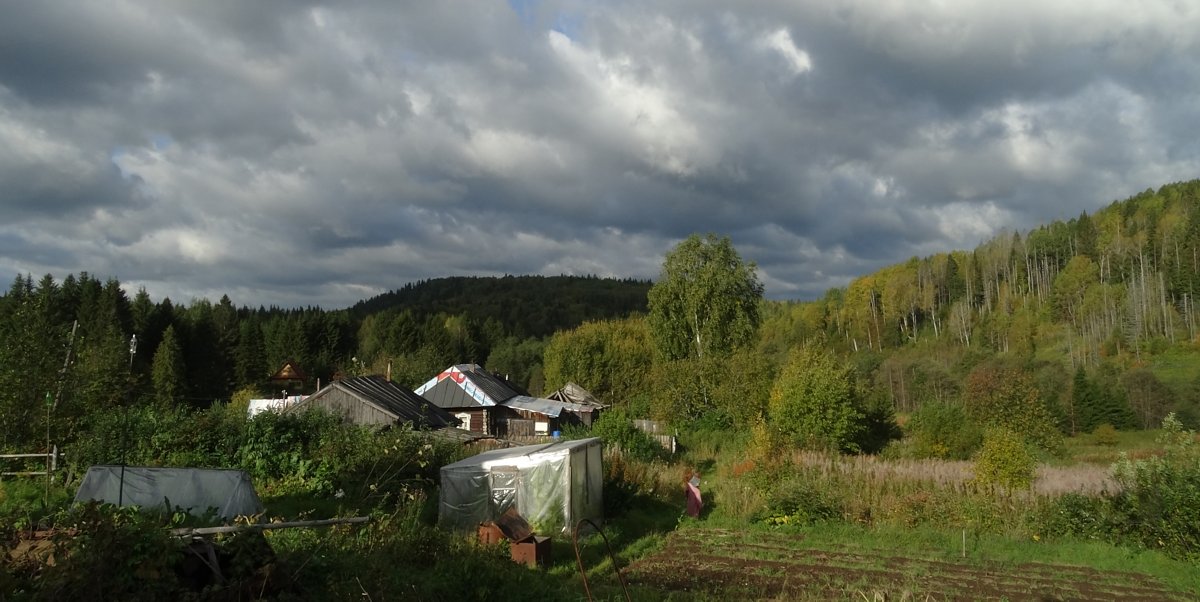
(258,406)
(552,486)
(195,490)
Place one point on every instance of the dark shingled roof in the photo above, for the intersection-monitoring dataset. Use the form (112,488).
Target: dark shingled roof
(447,393)
(394,399)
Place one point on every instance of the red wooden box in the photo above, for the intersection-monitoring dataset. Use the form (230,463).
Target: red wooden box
(533,551)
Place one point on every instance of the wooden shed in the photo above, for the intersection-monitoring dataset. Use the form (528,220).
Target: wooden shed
(376,401)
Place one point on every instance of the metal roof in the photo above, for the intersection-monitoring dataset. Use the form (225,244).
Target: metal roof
(465,386)
(393,399)
(573,393)
(549,407)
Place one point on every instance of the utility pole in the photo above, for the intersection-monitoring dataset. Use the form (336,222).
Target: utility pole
(49,403)
(52,405)
(125,428)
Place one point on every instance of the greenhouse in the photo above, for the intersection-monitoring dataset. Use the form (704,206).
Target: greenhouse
(552,486)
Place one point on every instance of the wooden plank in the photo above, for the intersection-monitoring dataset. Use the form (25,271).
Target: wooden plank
(189,531)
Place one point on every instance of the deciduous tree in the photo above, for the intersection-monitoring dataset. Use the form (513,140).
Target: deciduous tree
(815,401)
(706,302)
(1006,397)
(611,358)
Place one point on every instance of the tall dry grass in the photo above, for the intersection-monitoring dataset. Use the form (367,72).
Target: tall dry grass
(906,493)
(1088,479)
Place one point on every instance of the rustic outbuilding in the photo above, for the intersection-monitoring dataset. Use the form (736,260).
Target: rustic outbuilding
(376,401)
(534,416)
(584,406)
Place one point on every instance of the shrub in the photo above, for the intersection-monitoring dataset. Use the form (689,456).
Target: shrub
(944,431)
(1075,514)
(296,452)
(617,430)
(1005,460)
(85,566)
(279,445)
(1007,398)
(764,446)
(1105,434)
(1159,506)
(798,501)
(815,402)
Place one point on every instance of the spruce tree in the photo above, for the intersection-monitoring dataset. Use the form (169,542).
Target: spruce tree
(168,372)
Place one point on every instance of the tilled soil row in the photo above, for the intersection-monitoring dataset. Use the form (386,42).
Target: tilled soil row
(690,563)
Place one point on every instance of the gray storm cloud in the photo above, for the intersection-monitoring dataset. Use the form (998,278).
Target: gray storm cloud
(320,153)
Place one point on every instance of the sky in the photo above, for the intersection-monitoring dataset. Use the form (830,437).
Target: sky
(296,153)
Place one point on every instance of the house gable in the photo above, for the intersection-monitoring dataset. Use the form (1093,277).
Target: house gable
(466,386)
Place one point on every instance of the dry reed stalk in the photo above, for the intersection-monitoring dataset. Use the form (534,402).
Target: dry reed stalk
(872,471)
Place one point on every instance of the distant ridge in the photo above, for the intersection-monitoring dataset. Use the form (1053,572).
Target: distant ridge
(528,306)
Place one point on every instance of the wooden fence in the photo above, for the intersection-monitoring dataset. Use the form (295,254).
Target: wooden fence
(659,432)
(517,427)
(50,458)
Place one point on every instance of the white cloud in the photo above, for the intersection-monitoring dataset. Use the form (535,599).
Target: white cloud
(780,41)
(632,108)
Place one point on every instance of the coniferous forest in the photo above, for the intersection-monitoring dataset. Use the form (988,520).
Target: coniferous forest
(196,353)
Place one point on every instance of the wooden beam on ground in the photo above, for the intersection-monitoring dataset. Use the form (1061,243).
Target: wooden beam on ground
(190,531)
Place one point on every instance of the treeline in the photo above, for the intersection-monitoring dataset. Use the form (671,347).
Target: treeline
(1102,295)
(197,353)
(1126,277)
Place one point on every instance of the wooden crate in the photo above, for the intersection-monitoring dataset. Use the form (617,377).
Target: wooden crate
(533,551)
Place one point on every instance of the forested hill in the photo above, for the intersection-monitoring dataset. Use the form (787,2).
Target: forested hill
(1109,297)
(526,306)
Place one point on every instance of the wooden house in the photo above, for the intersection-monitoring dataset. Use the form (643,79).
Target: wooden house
(289,376)
(471,394)
(489,404)
(376,401)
